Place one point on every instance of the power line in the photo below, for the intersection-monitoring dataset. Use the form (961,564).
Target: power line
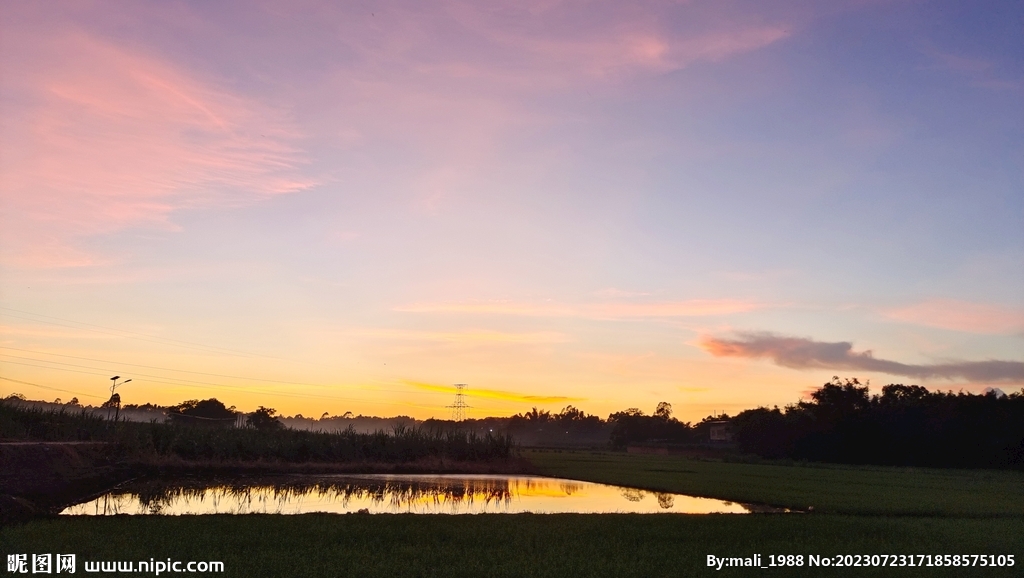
(168,381)
(201,385)
(152,367)
(167,369)
(131,334)
(50,388)
(149,338)
(102,369)
(162,341)
(56,368)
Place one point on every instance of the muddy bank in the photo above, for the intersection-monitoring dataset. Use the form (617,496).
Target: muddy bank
(42,478)
(37,478)
(175,468)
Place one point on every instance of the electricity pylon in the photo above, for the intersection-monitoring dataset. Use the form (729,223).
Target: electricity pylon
(459,407)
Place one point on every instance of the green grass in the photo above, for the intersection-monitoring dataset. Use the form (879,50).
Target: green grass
(859,510)
(516,545)
(861,490)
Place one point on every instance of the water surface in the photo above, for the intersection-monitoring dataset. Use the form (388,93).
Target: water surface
(392,494)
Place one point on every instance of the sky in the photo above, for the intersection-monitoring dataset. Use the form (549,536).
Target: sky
(351,206)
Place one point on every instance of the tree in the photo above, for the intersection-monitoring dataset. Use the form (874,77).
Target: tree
(538,415)
(208,408)
(628,426)
(838,399)
(632,426)
(905,425)
(263,419)
(899,393)
(113,403)
(663,411)
(570,413)
(209,412)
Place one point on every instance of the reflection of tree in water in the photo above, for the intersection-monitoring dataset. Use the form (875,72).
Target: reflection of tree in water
(569,488)
(398,494)
(665,501)
(633,495)
(533,486)
(381,493)
(405,493)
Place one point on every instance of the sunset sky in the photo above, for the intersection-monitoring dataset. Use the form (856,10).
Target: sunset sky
(351,206)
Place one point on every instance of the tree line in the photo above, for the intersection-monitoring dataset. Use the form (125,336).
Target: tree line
(905,425)
(841,422)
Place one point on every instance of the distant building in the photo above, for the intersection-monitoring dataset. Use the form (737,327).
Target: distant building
(197,420)
(635,449)
(720,431)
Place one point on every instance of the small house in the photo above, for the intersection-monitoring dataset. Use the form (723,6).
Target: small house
(720,431)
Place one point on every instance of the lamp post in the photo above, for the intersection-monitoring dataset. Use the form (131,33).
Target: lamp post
(115,399)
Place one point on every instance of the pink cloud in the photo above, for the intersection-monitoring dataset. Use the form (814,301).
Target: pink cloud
(470,337)
(101,138)
(650,51)
(606,310)
(688,308)
(615,292)
(961,316)
(804,353)
(614,39)
(458,80)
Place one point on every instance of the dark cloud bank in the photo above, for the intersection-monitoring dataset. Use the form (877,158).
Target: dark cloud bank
(800,353)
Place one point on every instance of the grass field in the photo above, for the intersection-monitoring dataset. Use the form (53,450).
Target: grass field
(516,545)
(861,490)
(934,512)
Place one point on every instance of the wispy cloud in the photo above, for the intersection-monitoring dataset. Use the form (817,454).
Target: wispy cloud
(103,138)
(802,353)
(29,331)
(605,310)
(614,39)
(979,72)
(694,389)
(495,394)
(481,336)
(961,316)
(616,293)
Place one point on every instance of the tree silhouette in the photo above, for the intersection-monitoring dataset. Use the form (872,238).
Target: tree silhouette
(263,419)
(209,412)
(663,411)
(905,425)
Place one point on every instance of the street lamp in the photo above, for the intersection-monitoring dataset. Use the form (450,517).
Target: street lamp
(115,401)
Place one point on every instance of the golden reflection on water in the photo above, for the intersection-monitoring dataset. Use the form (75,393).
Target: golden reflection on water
(419,494)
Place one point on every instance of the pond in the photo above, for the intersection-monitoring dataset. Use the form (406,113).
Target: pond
(394,494)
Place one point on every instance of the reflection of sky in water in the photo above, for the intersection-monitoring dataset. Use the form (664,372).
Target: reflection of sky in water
(419,494)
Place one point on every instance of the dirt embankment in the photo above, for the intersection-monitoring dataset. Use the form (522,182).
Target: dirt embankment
(170,469)
(39,477)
